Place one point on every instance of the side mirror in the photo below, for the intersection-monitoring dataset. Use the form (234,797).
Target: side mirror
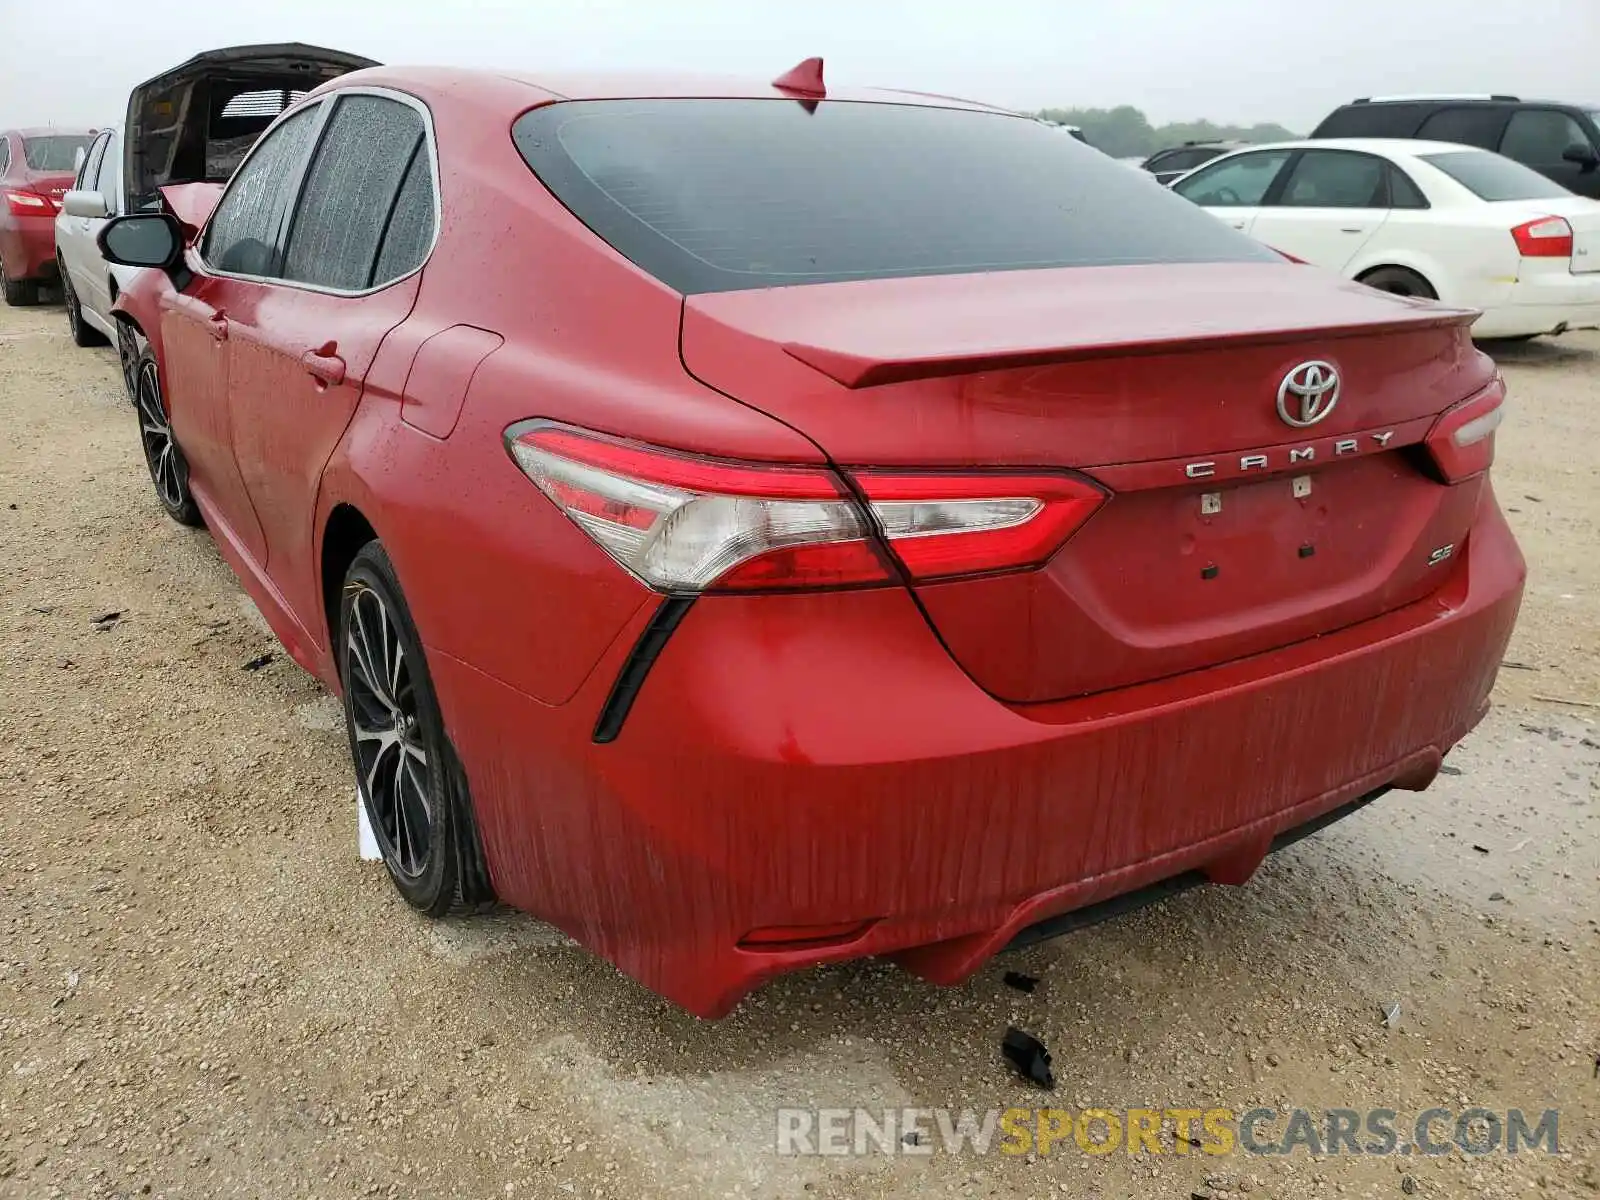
(84,204)
(142,240)
(1583,155)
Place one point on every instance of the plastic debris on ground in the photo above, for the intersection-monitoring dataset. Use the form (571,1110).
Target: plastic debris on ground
(1027,1054)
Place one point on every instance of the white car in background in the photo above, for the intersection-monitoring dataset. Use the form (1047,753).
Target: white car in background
(89,284)
(1429,219)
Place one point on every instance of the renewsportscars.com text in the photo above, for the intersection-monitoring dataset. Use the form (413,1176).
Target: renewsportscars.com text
(1196,1131)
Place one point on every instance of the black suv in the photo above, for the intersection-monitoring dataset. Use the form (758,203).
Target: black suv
(1166,165)
(1561,141)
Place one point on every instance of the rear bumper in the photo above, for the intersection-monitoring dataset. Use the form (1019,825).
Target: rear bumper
(28,246)
(821,761)
(1543,303)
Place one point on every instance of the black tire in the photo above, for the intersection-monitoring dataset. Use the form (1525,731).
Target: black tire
(19,293)
(411,782)
(1400,281)
(169,470)
(129,347)
(82,333)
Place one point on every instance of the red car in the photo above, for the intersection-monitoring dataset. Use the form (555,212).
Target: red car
(37,167)
(755,527)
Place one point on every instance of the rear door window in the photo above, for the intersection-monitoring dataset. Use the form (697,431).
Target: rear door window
(1471,126)
(1495,177)
(721,194)
(365,155)
(5,155)
(246,231)
(1238,182)
(1336,179)
(1403,190)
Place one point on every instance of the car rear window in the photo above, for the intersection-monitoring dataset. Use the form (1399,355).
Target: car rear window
(1493,177)
(57,152)
(718,195)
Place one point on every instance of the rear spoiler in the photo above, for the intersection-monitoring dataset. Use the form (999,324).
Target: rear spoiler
(890,331)
(856,370)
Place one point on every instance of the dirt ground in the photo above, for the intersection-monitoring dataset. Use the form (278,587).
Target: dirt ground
(203,992)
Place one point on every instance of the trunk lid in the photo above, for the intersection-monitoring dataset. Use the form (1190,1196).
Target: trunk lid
(1228,531)
(53,184)
(195,123)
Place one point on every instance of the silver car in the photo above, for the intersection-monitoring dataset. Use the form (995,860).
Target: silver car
(89,284)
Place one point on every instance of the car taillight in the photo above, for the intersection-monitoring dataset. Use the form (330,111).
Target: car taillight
(27,204)
(1462,439)
(1547,237)
(682,523)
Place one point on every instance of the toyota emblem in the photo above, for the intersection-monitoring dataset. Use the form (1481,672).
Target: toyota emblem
(1308,393)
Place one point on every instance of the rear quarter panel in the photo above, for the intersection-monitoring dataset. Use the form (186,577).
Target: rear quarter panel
(1468,260)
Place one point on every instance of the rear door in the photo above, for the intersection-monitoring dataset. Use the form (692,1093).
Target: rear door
(1233,188)
(1326,208)
(302,340)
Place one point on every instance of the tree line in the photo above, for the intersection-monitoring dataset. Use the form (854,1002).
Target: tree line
(1125,132)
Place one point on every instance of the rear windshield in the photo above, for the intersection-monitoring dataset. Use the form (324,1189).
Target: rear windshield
(1493,177)
(58,152)
(719,195)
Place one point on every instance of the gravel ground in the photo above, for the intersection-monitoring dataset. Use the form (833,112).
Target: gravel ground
(203,992)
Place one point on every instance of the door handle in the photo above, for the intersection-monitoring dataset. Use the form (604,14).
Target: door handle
(217,323)
(324,364)
(1353,229)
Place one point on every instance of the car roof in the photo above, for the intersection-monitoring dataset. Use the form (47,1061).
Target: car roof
(1389,147)
(573,85)
(1455,101)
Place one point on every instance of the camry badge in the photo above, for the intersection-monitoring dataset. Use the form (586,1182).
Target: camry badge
(1308,393)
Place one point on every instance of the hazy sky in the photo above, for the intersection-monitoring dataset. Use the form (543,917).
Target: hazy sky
(1229,60)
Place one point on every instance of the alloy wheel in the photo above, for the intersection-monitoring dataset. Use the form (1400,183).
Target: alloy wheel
(392,760)
(74,314)
(160,451)
(128,354)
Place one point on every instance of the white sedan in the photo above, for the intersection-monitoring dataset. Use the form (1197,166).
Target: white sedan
(1430,219)
(90,285)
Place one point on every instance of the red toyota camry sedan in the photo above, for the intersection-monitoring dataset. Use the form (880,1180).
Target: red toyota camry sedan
(755,526)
